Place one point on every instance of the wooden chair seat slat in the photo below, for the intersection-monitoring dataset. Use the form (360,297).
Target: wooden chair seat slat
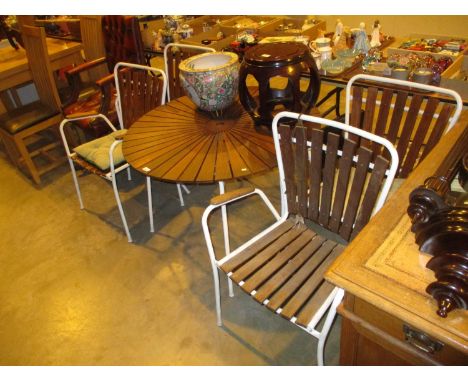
(280,258)
(261,258)
(294,283)
(268,288)
(314,303)
(307,289)
(258,246)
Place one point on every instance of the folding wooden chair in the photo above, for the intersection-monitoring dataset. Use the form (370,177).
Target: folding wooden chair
(322,183)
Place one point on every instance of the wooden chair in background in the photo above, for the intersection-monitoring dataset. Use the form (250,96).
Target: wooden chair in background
(336,190)
(29,132)
(411,115)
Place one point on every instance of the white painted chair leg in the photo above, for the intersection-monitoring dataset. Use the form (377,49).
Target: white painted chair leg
(327,325)
(129,173)
(119,205)
(75,180)
(181,198)
(219,320)
(185,188)
(150,203)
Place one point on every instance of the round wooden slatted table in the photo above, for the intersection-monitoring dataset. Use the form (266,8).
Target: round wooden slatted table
(178,143)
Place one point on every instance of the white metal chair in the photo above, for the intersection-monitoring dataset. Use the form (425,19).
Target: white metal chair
(139,89)
(326,179)
(412,116)
(174,53)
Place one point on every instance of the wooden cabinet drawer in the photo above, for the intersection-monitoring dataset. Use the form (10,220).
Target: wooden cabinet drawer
(409,345)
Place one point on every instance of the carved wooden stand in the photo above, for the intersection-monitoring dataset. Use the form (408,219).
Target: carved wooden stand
(440,223)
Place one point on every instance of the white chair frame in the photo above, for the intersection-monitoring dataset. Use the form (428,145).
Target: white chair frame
(336,296)
(118,107)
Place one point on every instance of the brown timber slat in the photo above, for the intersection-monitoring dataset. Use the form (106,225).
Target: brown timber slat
(315,172)
(345,164)
(364,156)
(288,164)
(438,130)
(356,105)
(266,254)
(369,112)
(419,138)
(307,289)
(370,197)
(384,111)
(397,116)
(282,257)
(328,178)
(259,245)
(291,286)
(315,302)
(301,170)
(408,127)
(276,281)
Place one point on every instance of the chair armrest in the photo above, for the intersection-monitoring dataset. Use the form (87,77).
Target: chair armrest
(102,82)
(231,196)
(85,66)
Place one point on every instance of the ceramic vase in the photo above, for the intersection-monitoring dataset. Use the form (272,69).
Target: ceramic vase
(211,80)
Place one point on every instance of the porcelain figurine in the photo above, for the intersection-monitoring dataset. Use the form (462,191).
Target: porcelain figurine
(375,37)
(338,31)
(361,43)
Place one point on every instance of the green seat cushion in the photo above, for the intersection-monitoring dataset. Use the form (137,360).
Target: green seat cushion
(96,151)
(25,116)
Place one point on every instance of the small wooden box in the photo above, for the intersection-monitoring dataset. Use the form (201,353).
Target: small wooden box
(256,24)
(211,35)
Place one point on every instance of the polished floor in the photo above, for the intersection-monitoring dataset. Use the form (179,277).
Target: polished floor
(73,291)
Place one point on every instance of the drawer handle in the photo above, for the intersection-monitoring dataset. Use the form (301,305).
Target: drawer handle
(421,340)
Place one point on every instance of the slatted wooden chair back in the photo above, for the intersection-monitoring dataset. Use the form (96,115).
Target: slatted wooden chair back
(404,113)
(34,39)
(334,184)
(93,44)
(140,89)
(174,54)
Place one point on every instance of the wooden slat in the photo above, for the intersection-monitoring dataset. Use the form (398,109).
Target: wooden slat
(259,245)
(345,164)
(291,286)
(288,164)
(328,178)
(282,257)
(314,303)
(382,119)
(356,105)
(307,289)
(289,269)
(364,156)
(438,130)
(301,170)
(408,127)
(266,254)
(315,172)
(369,111)
(419,138)
(397,116)
(372,191)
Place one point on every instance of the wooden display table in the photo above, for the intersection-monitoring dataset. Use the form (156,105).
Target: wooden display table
(388,318)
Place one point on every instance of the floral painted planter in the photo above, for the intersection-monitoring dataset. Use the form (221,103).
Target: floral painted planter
(211,79)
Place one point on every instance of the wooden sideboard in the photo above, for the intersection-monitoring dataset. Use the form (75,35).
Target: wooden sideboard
(388,318)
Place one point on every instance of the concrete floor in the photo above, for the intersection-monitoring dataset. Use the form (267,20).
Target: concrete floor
(75,292)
